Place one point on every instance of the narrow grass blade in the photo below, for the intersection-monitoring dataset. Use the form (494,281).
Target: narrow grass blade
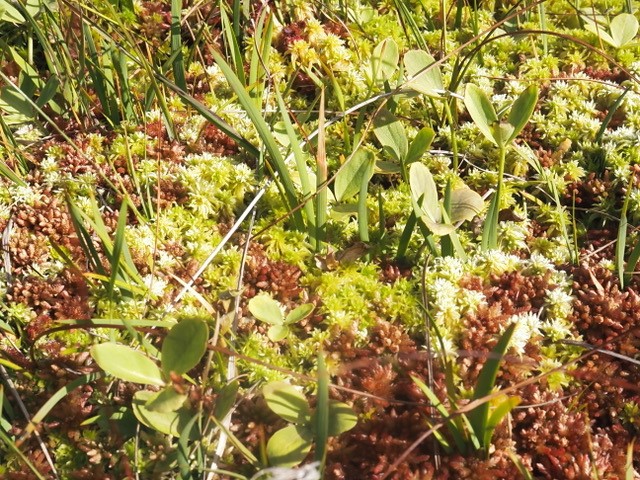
(232,45)
(301,164)
(176,45)
(277,161)
(457,433)
(322,412)
(322,202)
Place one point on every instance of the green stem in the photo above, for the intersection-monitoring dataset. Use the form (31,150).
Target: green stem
(454,138)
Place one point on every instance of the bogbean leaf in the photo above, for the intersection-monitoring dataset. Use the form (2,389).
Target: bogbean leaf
(166,400)
(390,133)
(384,60)
(266,309)
(184,346)
(522,109)
(424,191)
(465,204)
(278,332)
(420,144)
(169,423)
(358,168)
(624,28)
(481,110)
(298,313)
(288,402)
(126,364)
(341,418)
(422,79)
(289,446)
(226,399)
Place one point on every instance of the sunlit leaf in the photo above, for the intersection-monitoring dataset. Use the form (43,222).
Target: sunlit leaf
(166,400)
(126,364)
(287,402)
(169,423)
(266,309)
(184,346)
(429,81)
(289,446)
(298,313)
(522,109)
(501,410)
(420,144)
(424,191)
(278,332)
(384,60)
(624,29)
(481,110)
(342,418)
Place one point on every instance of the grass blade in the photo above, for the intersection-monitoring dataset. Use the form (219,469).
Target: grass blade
(277,161)
(322,412)
(176,45)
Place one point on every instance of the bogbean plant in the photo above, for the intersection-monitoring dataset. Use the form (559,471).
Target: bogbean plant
(428,207)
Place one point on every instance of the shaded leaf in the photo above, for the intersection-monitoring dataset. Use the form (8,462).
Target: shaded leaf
(289,446)
(126,364)
(465,204)
(266,309)
(226,399)
(390,133)
(429,82)
(357,169)
(479,417)
(184,346)
(481,110)
(287,401)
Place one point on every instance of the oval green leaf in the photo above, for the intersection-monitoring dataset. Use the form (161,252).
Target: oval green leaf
(266,309)
(126,364)
(522,109)
(359,168)
(169,423)
(481,110)
(384,60)
(624,28)
(166,400)
(341,418)
(278,332)
(298,313)
(423,78)
(465,204)
(424,191)
(289,446)
(287,401)
(390,133)
(184,346)
(420,144)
